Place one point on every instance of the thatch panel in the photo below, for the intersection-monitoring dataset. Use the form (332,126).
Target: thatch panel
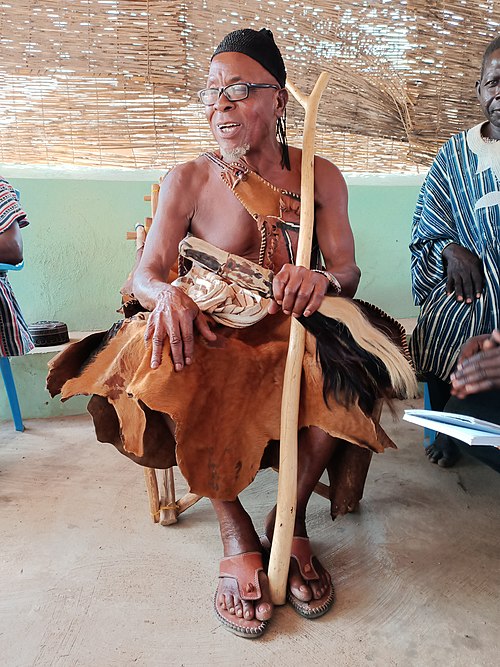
(447,45)
(113,82)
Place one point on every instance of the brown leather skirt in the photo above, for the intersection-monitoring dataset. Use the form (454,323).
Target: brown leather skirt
(215,418)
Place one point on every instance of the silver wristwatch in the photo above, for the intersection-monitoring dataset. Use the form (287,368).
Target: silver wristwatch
(335,286)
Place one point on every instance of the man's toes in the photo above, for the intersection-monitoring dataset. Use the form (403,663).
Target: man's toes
(248,610)
(319,588)
(264,607)
(229,603)
(447,461)
(263,611)
(238,609)
(299,589)
(433,454)
(451,454)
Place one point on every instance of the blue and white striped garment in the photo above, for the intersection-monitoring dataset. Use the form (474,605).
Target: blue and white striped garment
(459,202)
(15,338)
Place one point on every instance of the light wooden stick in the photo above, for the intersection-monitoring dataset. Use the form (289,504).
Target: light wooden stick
(287,479)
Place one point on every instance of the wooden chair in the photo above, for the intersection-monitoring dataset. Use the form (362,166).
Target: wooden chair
(164,507)
(347,474)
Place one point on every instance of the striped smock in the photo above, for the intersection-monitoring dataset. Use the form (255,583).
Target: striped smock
(15,338)
(459,203)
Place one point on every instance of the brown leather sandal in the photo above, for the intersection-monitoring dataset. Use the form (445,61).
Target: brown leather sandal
(245,569)
(301,551)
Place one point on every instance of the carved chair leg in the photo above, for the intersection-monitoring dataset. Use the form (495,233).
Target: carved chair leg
(347,472)
(153,496)
(187,501)
(168,506)
(167,509)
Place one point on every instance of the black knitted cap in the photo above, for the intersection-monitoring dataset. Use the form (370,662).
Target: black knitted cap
(258,45)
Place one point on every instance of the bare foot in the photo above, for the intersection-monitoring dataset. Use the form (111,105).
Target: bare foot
(443,451)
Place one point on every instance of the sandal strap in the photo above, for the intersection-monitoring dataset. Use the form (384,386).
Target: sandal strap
(244,568)
(301,551)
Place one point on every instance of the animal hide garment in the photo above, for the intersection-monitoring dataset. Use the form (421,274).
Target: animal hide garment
(216,417)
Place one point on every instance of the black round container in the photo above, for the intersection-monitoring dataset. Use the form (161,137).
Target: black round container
(45,333)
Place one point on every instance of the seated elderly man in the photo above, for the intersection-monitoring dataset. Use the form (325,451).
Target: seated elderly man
(455,249)
(208,396)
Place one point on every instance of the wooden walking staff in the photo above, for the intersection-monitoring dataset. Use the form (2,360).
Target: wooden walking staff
(287,480)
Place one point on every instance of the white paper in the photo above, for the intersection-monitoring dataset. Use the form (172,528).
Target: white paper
(468,429)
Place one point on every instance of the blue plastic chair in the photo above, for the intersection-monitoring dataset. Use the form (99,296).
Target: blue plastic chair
(8,378)
(429,434)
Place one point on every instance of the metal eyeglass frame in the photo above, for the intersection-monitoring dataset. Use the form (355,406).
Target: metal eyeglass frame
(224,91)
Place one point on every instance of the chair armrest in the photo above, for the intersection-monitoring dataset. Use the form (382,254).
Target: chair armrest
(11,267)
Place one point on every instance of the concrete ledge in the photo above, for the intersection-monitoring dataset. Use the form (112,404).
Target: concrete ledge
(30,373)
(74,337)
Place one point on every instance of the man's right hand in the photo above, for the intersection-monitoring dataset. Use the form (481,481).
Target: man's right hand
(174,316)
(464,272)
(478,367)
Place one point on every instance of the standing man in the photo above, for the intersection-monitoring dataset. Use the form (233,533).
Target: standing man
(456,249)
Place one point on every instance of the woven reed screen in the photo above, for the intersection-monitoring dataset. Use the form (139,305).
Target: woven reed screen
(113,82)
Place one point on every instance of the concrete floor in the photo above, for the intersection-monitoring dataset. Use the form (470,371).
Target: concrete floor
(87,579)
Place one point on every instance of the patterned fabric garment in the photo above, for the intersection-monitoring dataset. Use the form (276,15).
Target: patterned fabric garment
(15,338)
(459,203)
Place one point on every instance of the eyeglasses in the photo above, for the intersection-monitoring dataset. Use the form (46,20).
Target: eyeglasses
(234,92)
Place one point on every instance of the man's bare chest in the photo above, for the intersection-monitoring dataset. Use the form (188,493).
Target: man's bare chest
(221,219)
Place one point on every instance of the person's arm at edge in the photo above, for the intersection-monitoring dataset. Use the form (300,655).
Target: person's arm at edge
(435,245)
(11,245)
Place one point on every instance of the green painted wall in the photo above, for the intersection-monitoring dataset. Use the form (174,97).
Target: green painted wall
(76,256)
(381,220)
(34,400)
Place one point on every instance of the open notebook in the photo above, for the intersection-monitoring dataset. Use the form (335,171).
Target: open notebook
(469,429)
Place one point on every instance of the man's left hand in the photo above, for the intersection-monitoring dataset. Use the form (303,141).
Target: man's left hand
(298,291)
(480,371)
